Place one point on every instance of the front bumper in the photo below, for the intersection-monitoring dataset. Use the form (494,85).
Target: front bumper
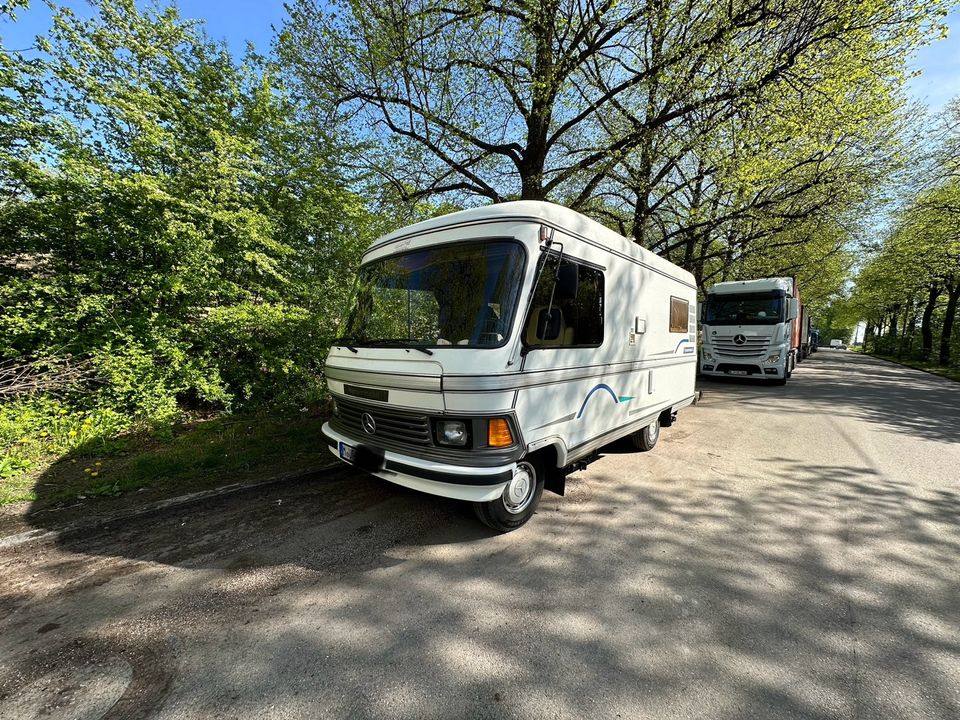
(726,367)
(476,484)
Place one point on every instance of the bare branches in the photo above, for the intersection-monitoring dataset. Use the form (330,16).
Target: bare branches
(709,131)
(49,375)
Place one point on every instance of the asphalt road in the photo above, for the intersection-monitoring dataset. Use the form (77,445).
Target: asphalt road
(783,553)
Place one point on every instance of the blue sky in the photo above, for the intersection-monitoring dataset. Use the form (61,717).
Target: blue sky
(235,21)
(940,66)
(238,21)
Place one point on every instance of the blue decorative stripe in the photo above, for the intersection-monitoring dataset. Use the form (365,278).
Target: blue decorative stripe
(680,343)
(601,386)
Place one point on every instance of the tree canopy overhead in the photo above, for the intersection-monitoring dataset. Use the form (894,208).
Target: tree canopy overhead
(716,134)
(526,99)
(911,279)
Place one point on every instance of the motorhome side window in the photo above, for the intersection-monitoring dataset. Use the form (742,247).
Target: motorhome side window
(567,308)
(679,315)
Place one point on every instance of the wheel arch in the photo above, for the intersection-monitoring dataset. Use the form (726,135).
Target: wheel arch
(552,452)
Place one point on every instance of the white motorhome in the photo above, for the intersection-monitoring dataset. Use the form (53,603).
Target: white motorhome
(750,328)
(491,351)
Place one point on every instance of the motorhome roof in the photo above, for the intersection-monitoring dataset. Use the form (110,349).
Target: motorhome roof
(759,285)
(562,218)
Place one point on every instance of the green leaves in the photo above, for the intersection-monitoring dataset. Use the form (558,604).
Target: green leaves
(170,212)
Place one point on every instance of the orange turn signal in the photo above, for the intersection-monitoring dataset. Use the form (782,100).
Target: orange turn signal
(498,433)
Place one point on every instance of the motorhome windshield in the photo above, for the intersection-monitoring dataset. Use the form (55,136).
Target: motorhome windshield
(744,309)
(462,294)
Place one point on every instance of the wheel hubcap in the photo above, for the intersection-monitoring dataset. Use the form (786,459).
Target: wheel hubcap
(519,491)
(653,431)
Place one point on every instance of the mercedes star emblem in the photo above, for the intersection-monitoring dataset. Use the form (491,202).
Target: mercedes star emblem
(368,423)
(739,339)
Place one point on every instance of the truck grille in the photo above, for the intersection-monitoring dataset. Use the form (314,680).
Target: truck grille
(754,346)
(402,427)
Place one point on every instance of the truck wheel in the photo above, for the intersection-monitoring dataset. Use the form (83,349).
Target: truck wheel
(519,499)
(646,438)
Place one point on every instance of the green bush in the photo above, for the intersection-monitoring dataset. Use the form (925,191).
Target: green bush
(267,353)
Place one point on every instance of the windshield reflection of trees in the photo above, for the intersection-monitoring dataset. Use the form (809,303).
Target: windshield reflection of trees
(462,294)
(741,310)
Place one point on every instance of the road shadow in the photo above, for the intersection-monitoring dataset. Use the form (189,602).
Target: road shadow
(899,398)
(247,528)
(816,592)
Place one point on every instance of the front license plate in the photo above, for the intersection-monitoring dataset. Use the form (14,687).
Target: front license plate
(732,372)
(348,452)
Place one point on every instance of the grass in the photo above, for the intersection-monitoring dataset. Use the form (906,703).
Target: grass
(952,373)
(188,458)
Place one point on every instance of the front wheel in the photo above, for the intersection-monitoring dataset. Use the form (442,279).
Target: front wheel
(519,499)
(646,438)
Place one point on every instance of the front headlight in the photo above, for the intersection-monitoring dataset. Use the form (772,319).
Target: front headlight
(707,355)
(452,432)
(773,359)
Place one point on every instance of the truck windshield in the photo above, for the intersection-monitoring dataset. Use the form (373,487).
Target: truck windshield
(753,309)
(461,294)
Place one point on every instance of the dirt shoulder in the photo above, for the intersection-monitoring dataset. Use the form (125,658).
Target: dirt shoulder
(138,473)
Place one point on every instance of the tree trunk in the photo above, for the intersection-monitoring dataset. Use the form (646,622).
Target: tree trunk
(909,328)
(953,295)
(925,332)
(534,159)
(868,334)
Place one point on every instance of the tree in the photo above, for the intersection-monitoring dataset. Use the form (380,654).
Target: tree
(731,138)
(535,100)
(169,213)
(917,263)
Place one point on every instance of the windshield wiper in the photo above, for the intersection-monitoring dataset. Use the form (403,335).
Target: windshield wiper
(345,341)
(404,342)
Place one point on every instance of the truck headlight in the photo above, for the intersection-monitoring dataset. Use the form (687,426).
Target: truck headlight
(707,355)
(452,432)
(773,359)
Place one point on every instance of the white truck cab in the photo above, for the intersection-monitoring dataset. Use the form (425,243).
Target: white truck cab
(750,328)
(491,351)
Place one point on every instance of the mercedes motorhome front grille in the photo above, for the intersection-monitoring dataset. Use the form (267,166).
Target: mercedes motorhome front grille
(749,346)
(403,427)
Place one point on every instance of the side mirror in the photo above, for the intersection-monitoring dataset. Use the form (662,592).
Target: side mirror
(793,308)
(549,324)
(568,276)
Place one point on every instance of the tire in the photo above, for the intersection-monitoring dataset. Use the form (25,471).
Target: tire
(507,513)
(646,438)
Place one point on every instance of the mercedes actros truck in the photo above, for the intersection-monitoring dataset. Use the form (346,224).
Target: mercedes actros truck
(752,328)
